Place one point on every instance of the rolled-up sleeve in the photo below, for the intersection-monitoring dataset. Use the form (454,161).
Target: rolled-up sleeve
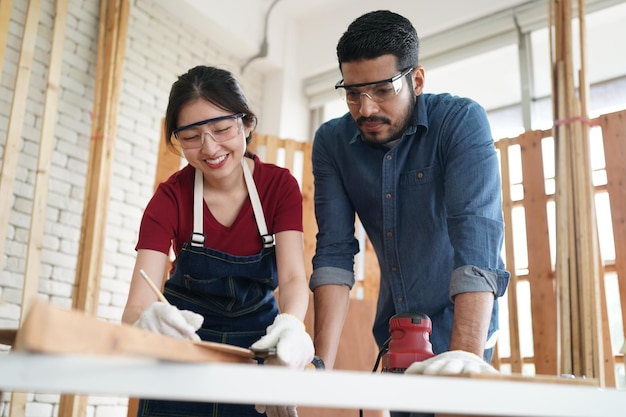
(470,278)
(330,275)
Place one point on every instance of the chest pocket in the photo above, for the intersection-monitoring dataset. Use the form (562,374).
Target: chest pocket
(422,176)
(422,201)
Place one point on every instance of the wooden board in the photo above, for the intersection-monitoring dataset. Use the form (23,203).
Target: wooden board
(50,329)
(543,379)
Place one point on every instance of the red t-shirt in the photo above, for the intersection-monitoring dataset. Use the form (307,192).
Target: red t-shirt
(168,218)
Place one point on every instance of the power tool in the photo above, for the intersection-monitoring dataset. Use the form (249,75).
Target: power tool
(409,341)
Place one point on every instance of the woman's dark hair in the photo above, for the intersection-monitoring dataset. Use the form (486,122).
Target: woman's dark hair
(215,85)
(379,33)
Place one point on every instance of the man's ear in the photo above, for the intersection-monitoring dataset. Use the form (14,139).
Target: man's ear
(418,80)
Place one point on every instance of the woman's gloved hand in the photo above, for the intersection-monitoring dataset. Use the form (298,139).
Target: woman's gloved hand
(169,321)
(452,362)
(277,410)
(294,347)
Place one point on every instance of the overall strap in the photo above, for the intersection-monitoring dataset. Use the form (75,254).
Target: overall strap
(266,239)
(197,237)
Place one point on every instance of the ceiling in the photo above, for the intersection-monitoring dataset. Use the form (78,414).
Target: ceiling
(302,37)
(239,25)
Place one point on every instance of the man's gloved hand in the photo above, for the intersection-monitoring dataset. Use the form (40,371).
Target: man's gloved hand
(277,410)
(453,362)
(168,320)
(294,347)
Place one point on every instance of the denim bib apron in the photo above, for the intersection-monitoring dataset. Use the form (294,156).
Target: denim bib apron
(235,294)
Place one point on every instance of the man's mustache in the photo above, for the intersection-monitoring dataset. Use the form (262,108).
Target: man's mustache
(360,120)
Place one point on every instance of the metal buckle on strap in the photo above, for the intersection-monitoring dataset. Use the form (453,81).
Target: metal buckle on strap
(267,240)
(197,239)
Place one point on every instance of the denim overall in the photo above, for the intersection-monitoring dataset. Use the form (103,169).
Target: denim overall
(235,294)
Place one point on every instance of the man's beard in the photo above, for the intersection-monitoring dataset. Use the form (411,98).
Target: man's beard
(395,130)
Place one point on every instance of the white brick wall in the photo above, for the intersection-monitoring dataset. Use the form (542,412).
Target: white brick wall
(156,53)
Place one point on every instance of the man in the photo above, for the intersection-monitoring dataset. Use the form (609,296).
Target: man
(422,173)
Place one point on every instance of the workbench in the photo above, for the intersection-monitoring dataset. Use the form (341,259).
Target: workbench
(245,383)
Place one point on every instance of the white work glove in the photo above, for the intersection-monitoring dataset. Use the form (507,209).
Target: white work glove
(294,347)
(277,410)
(169,321)
(453,362)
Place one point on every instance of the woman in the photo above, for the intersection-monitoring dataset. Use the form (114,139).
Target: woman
(235,225)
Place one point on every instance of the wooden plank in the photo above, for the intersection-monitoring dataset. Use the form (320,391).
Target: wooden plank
(114,15)
(563,233)
(16,116)
(271,149)
(44,161)
(608,374)
(5,18)
(49,329)
(614,137)
(168,162)
(507,209)
(290,147)
(101,154)
(11,148)
(578,271)
(539,263)
(539,379)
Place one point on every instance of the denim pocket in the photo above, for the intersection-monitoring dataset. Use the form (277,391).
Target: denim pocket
(419,176)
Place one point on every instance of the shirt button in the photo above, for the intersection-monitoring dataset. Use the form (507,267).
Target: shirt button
(399,299)
(388,196)
(420,175)
(389,157)
(390,234)
(394,269)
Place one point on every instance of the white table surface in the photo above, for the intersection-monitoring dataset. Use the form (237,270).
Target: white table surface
(237,383)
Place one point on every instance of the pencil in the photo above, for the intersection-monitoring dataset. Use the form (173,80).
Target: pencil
(154,288)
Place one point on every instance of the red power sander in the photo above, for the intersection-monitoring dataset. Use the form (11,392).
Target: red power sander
(409,341)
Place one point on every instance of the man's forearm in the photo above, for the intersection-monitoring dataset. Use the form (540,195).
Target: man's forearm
(472,314)
(331,307)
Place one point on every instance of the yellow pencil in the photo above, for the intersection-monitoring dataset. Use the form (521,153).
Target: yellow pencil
(154,288)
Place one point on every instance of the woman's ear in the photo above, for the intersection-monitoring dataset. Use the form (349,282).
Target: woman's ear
(249,124)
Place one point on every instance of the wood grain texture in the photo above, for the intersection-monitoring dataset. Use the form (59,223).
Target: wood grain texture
(49,329)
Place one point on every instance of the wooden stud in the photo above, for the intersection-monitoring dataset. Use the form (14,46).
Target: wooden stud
(290,146)
(12,144)
(5,18)
(114,15)
(614,139)
(507,209)
(42,174)
(16,116)
(271,149)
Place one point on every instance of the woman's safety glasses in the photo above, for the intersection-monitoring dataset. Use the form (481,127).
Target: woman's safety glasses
(220,129)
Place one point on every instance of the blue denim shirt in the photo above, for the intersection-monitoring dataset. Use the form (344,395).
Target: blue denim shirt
(431,206)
